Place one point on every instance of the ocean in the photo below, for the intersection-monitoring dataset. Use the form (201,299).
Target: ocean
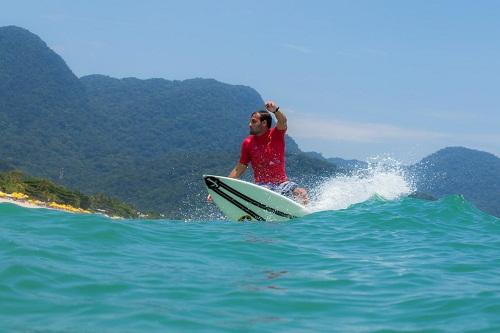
(369,259)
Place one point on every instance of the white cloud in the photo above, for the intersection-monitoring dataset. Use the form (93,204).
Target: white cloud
(375,134)
(338,130)
(483,138)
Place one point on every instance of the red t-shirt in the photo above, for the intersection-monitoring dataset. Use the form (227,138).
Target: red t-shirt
(267,155)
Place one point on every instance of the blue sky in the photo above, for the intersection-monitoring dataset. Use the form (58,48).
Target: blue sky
(357,78)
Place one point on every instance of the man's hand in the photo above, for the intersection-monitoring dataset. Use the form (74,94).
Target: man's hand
(271,106)
(209,199)
(280,116)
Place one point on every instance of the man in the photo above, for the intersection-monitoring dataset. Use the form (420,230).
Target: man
(264,148)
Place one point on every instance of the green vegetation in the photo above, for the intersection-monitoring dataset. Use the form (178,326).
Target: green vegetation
(147,142)
(46,191)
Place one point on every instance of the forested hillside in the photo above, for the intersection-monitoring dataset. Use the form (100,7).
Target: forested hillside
(146,142)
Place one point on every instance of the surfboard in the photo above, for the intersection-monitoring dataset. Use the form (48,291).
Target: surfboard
(239,200)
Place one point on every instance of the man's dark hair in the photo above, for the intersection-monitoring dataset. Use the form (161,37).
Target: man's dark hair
(264,115)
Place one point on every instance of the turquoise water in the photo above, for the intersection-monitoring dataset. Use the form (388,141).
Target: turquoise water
(400,266)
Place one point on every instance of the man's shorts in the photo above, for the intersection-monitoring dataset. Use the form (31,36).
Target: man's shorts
(285,188)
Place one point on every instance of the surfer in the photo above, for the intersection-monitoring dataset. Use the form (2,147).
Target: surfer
(264,148)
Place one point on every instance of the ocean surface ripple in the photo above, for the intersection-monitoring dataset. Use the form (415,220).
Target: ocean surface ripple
(403,265)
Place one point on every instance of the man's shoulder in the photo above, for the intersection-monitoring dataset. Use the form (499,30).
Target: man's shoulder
(248,139)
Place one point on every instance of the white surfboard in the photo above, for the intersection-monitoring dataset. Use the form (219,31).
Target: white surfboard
(243,201)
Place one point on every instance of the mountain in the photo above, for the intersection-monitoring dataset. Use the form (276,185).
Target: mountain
(42,104)
(458,170)
(146,142)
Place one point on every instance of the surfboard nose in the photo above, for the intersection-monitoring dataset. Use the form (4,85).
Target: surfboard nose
(211,181)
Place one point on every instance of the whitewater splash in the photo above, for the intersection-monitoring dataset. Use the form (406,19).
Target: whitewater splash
(384,177)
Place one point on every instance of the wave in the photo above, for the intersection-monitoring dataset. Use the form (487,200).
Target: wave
(384,178)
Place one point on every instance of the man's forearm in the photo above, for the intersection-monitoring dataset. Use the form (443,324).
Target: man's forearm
(238,170)
(281,120)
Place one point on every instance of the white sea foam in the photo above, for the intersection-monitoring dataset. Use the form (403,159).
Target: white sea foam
(384,177)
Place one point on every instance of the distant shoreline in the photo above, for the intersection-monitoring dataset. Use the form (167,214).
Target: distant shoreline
(24,204)
(52,206)
(30,205)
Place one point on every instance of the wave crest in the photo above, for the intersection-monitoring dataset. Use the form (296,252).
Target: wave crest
(383,178)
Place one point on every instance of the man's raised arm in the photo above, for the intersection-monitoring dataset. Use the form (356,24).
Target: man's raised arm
(280,116)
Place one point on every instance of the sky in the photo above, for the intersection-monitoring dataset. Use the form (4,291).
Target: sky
(356,79)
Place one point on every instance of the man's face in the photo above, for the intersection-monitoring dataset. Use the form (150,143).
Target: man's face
(255,125)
